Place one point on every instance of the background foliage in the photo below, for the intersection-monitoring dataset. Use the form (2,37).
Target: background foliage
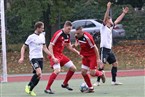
(22,14)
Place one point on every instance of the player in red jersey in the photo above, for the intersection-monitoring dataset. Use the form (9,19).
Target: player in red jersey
(60,39)
(90,58)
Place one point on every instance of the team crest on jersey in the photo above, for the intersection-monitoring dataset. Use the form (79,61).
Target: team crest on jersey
(84,39)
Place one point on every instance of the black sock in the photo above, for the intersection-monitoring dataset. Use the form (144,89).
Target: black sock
(34,81)
(98,78)
(114,73)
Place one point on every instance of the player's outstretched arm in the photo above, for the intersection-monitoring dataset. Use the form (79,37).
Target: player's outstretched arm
(125,11)
(69,46)
(22,53)
(107,12)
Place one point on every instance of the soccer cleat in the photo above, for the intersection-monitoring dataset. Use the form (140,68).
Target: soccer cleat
(103,77)
(89,91)
(32,93)
(49,91)
(27,89)
(96,84)
(116,83)
(67,87)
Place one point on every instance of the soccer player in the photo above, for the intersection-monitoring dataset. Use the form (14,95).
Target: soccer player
(106,43)
(36,44)
(90,57)
(61,39)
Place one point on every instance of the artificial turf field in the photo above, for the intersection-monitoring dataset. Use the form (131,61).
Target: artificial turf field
(132,87)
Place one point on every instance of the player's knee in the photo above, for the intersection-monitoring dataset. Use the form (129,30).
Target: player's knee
(83,72)
(57,71)
(39,74)
(115,64)
(73,68)
(92,73)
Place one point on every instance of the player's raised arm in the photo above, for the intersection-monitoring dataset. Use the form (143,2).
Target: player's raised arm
(107,12)
(125,10)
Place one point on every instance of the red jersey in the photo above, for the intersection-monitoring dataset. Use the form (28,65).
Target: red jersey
(87,45)
(58,40)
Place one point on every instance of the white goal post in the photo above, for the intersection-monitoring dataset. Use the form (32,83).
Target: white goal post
(3,46)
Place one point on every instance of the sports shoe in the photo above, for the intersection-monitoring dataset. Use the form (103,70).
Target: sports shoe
(116,83)
(89,91)
(96,84)
(103,77)
(32,93)
(67,87)
(27,89)
(49,91)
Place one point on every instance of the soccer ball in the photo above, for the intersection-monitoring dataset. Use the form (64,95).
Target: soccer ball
(83,87)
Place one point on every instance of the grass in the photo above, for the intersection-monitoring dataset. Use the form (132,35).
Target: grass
(132,87)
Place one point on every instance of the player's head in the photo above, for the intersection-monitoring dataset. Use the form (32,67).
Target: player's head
(39,26)
(79,33)
(67,27)
(109,20)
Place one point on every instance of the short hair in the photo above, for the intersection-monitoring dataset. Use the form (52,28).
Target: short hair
(79,28)
(38,25)
(68,23)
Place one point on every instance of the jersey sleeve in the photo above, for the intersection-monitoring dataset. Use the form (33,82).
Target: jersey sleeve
(54,38)
(28,40)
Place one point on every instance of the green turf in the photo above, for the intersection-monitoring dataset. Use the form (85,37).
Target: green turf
(132,87)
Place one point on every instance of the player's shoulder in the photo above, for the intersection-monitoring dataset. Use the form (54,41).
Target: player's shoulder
(31,35)
(87,34)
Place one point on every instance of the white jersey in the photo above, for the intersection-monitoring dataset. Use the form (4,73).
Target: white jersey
(35,43)
(106,36)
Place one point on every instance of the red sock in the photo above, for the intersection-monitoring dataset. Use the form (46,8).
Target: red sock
(98,73)
(87,80)
(68,76)
(51,80)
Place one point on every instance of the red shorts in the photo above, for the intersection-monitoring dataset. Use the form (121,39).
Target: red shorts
(90,61)
(61,58)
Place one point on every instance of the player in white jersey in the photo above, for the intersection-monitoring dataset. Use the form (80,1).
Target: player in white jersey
(106,43)
(36,44)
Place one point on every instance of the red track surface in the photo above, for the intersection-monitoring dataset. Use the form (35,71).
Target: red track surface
(123,73)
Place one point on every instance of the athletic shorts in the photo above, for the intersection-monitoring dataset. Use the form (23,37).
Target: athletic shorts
(61,58)
(36,63)
(107,55)
(89,62)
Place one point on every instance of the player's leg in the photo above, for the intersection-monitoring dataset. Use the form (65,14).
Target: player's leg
(52,77)
(112,60)
(37,65)
(86,77)
(71,69)
(92,60)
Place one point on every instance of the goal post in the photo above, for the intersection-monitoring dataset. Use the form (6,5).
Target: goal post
(3,46)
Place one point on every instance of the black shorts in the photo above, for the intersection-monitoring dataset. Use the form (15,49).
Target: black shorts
(36,63)
(107,55)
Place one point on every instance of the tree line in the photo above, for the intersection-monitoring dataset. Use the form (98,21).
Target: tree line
(22,14)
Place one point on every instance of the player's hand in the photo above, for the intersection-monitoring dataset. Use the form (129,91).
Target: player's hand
(125,10)
(21,60)
(108,4)
(100,63)
(55,60)
(80,55)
